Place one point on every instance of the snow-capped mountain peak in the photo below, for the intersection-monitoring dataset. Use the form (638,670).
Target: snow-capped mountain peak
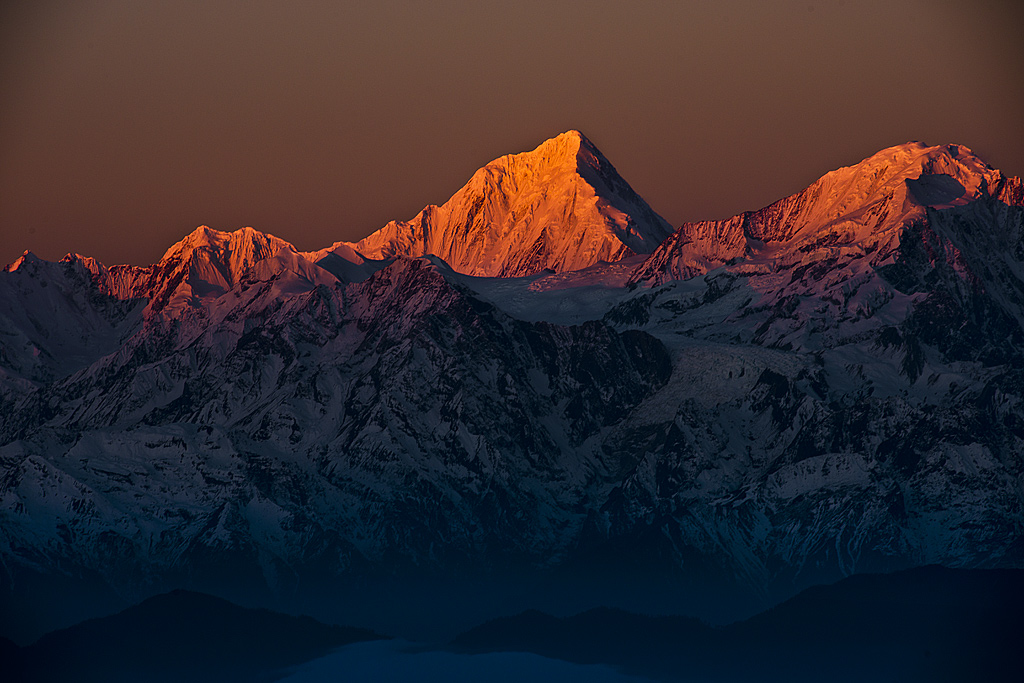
(233,253)
(206,264)
(864,207)
(560,206)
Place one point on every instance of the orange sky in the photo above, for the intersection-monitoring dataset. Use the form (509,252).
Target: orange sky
(123,124)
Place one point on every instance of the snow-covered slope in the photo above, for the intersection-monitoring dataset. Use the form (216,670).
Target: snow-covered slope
(561,206)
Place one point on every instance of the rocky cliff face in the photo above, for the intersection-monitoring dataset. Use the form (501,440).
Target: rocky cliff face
(830,385)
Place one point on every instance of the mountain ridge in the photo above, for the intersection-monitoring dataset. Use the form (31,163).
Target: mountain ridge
(929,623)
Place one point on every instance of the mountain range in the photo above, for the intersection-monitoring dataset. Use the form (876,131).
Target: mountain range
(177,636)
(923,624)
(536,390)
